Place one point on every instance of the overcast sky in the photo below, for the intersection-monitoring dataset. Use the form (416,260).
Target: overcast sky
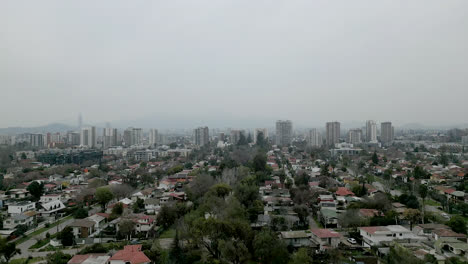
(216,62)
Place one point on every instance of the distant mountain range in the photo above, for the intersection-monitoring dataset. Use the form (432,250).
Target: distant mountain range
(52,128)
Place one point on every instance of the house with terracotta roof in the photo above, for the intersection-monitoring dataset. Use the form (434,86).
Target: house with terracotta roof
(343,191)
(131,254)
(326,238)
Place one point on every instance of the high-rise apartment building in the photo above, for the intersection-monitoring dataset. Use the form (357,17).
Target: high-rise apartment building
(88,137)
(37,140)
(314,139)
(259,131)
(201,136)
(153,137)
(284,132)
(73,138)
(371,131)
(236,135)
(109,137)
(333,133)
(133,136)
(386,132)
(355,136)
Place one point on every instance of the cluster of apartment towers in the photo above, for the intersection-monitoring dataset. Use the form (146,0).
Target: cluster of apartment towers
(332,135)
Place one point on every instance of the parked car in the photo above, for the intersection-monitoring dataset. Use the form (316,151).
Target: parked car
(351,240)
(445,215)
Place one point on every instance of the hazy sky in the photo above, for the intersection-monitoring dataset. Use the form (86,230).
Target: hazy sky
(216,62)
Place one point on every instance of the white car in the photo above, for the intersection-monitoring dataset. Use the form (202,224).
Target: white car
(352,240)
(446,215)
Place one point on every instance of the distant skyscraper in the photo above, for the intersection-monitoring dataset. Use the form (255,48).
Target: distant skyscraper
(386,132)
(355,136)
(314,139)
(259,131)
(109,137)
(201,136)
(371,131)
(465,140)
(37,140)
(153,137)
(73,138)
(133,136)
(88,137)
(333,133)
(236,135)
(283,132)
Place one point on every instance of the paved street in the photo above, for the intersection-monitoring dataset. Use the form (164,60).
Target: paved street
(25,245)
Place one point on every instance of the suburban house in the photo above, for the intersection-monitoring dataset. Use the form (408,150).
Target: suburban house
(98,219)
(19,208)
(376,235)
(18,219)
(131,254)
(82,228)
(296,238)
(95,258)
(50,197)
(328,217)
(51,208)
(326,238)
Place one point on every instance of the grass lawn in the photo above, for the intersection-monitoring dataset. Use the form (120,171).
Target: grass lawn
(432,202)
(23,260)
(170,233)
(39,231)
(43,242)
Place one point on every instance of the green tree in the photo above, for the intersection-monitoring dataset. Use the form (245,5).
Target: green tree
(269,249)
(58,258)
(458,224)
(375,158)
(300,257)
(221,190)
(36,190)
(103,196)
(412,215)
(303,214)
(167,216)
(8,250)
(80,213)
(259,162)
(126,228)
(117,209)
(66,236)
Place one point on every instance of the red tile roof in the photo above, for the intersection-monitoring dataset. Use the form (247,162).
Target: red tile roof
(131,254)
(324,233)
(343,191)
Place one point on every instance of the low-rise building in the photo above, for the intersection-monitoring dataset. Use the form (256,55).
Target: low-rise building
(326,238)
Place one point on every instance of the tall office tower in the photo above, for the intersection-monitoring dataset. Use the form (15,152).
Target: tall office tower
(236,135)
(386,132)
(88,137)
(465,140)
(201,136)
(37,140)
(109,137)
(153,137)
(333,133)
(283,132)
(222,137)
(314,139)
(371,131)
(355,136)
(259,131)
